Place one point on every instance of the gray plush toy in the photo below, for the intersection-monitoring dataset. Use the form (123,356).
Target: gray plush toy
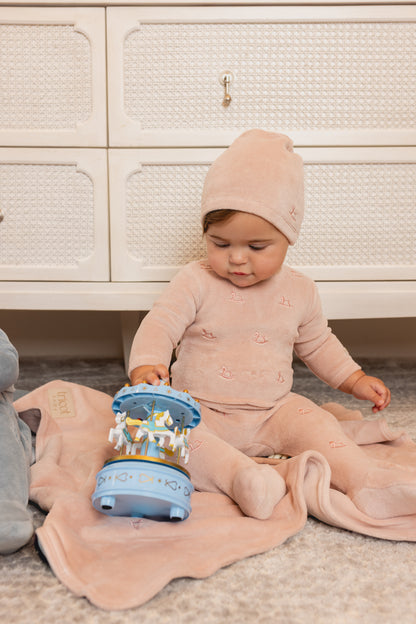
(16,526)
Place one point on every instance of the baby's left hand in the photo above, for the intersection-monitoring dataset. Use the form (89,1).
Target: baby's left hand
(372,389)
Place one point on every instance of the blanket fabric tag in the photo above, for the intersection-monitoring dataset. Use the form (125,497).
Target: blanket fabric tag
(61,403)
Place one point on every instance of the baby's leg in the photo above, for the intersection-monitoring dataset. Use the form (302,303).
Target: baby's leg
(15,519)
(216,466)
(379,489)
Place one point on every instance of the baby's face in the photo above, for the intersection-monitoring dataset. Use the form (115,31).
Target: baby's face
(245,249)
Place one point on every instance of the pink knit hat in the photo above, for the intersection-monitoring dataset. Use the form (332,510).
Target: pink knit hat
(259,173)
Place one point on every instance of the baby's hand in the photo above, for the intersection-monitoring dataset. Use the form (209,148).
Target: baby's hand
(372,389)
(150,374)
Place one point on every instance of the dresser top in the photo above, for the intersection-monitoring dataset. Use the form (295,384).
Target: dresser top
(104,3)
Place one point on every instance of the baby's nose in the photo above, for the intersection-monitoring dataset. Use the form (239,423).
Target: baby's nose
(238,256)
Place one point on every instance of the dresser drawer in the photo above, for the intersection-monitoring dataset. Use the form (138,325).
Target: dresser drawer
(325,75)
(52,80)
(53,214)
(360,216)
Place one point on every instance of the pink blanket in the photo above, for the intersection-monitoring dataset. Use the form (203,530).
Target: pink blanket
(90,552)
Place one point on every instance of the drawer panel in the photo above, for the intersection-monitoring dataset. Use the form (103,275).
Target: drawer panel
(52,80)
(53,214)
(360,217)
(324,75)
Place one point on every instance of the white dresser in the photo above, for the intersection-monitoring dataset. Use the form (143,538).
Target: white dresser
(111,112)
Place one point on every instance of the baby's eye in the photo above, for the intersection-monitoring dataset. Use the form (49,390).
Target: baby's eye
(257,247)
(217,244)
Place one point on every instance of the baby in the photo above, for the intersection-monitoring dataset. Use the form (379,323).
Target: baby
(235,320)
(16,526)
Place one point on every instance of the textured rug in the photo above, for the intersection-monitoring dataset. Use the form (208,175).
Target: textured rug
(322,574)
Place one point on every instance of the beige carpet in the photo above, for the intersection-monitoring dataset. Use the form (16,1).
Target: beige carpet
(321,575)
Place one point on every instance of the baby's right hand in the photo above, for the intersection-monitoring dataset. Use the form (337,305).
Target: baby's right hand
(151,374)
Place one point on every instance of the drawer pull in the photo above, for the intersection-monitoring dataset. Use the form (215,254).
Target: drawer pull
(226,79)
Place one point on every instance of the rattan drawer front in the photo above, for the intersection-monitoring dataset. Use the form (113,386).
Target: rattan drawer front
(360,221)
(52,80)
(53,214)
(325,75)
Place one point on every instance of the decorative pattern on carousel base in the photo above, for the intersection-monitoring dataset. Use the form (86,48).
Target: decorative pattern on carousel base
(151,483)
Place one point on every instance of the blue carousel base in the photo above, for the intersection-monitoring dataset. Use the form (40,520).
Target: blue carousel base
(141,486)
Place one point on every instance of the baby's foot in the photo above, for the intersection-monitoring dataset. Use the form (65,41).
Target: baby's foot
(257,489)
(387,493)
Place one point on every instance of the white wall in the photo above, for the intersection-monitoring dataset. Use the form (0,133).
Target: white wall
(98,334)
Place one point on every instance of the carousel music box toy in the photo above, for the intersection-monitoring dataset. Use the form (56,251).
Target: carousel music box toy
(151,435)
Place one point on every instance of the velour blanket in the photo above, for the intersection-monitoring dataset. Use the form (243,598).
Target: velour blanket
(102,557)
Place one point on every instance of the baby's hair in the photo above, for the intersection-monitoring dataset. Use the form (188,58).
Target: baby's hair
(216,216)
